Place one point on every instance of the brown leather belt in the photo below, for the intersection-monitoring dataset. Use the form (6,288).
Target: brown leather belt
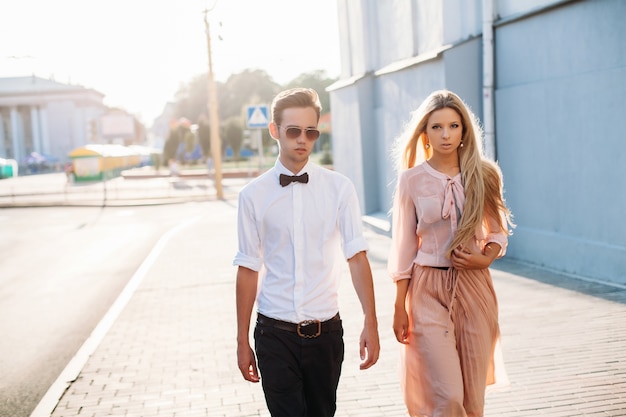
(307,329)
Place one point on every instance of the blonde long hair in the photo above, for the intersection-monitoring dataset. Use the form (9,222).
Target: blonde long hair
(482,178)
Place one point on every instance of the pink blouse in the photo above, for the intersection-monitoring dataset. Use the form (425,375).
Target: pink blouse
(426,211)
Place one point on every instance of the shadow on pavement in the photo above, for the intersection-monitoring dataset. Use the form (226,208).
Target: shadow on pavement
(605,290)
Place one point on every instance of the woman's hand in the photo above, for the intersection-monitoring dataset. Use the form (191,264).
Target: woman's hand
(401,324)
(465,258)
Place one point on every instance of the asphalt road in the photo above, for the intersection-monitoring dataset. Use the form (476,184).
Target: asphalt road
(60,270)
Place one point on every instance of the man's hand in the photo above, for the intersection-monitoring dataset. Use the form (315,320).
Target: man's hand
(361,272)
(247,363)
(369,346)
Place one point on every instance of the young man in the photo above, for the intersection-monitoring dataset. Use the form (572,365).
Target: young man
(293,223)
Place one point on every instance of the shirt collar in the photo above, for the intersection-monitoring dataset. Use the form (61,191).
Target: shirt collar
(280,168)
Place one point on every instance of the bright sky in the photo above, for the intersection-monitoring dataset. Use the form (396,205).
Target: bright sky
(138,52)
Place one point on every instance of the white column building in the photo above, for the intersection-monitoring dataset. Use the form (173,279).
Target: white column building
(44,116)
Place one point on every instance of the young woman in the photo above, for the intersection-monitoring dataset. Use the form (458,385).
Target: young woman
(450,223)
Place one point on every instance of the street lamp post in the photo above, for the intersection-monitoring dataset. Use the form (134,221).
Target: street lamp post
(216,143)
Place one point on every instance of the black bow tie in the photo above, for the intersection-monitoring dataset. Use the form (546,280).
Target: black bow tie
(285,180)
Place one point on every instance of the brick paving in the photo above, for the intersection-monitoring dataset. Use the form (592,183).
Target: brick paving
(171,351)
(564,344)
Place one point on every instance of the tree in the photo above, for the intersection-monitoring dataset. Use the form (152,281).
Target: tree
(249,87)
(191,98)
(233,134)
(171,143)
(246,88)
(204,135)
(317,80)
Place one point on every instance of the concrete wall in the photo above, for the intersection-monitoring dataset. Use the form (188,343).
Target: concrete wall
(560,83)
(348,135)
(401,93)
(561,136)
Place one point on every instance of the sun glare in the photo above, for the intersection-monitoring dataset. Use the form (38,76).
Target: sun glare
(139,52)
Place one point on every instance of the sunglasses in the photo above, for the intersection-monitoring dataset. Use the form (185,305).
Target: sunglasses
(295,132)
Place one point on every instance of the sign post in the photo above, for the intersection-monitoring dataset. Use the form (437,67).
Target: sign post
(257,119)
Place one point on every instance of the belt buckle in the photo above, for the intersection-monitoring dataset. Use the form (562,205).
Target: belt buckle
(308,323)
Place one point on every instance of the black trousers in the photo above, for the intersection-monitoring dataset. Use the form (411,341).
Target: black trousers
(299,376)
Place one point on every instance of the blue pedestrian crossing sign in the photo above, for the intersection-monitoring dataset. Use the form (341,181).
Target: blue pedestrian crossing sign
(258,117)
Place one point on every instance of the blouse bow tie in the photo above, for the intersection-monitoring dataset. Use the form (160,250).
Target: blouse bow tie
(453,199)
(285,180)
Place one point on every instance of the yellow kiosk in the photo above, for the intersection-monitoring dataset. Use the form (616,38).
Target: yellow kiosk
(102,161)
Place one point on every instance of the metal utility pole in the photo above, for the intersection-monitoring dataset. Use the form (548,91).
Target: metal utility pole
(216,142)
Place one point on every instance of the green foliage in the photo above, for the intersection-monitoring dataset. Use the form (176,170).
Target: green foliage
(189,139)
(249,87)
(318,81)
(244,89)
(171,144)
(232,135)
(241,90)
(192,98)
(327,157)
(204,135)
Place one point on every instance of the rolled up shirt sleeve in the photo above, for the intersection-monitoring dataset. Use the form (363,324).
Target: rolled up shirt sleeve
(351,225)
(495,234)
(249,243)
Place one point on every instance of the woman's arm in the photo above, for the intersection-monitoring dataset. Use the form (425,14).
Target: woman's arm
(400,315)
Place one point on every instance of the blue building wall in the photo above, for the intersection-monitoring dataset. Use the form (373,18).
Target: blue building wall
(560,113)
(561,136)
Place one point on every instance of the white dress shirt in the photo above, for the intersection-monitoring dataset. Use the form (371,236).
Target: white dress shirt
(294,235)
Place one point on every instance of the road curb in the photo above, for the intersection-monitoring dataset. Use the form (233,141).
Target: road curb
(51,398)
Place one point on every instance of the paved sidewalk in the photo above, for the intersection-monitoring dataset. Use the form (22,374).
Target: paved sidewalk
(171,350)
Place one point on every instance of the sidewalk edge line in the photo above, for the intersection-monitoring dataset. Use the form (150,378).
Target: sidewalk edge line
(70,373)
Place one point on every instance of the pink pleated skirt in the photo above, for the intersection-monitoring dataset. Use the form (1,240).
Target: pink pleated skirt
(453,353)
